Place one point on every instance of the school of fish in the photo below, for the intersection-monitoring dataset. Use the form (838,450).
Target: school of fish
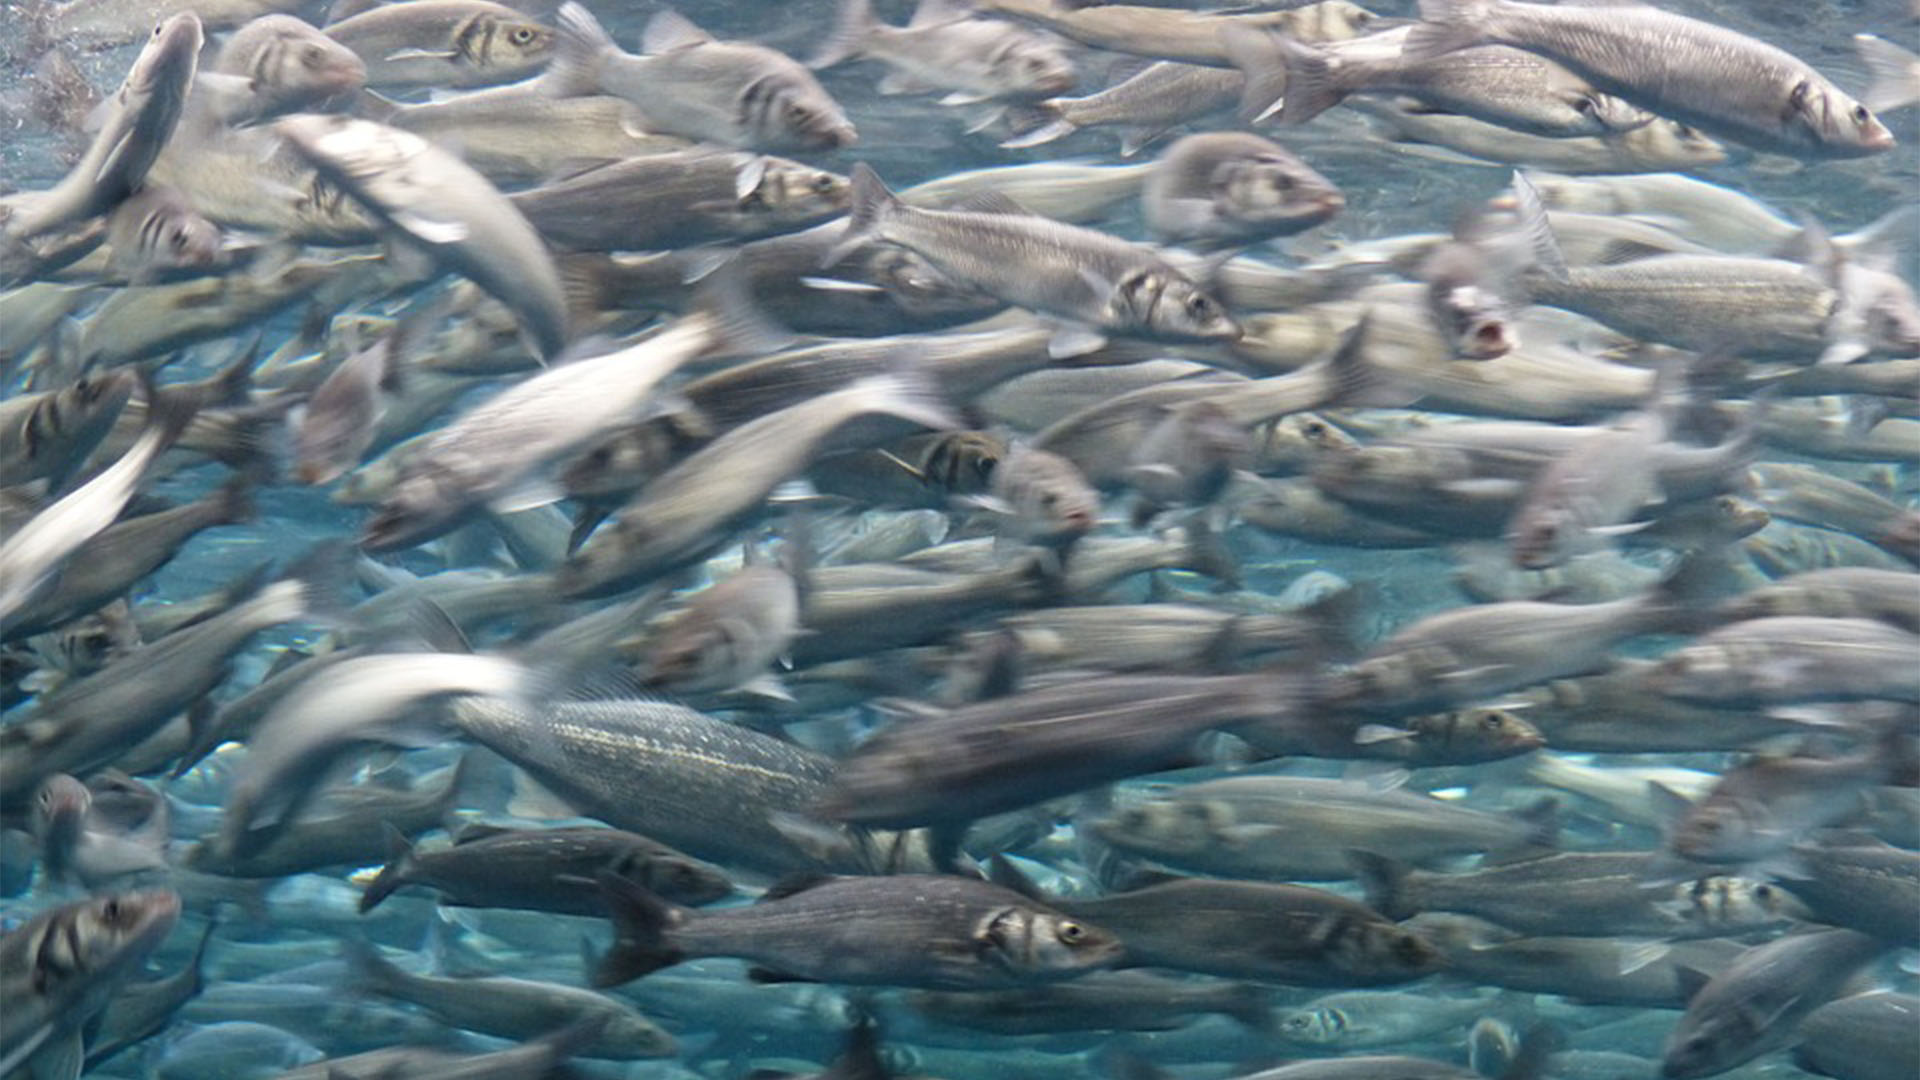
(983,539)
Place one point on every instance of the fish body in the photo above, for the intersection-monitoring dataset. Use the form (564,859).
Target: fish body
(942,48)
(545,870)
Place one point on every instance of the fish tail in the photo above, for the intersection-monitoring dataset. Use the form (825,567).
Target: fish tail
(367,971)
(400,863)
(641,921)
(739,327)
(1248,1004)
(1038,124)
(850,32)
(908,394)
(872,203)
(1207,553)
(1273,76)
(1384,881)
(1534,229)
(580,43)
(1447,26)
(234,503)
(1891,71)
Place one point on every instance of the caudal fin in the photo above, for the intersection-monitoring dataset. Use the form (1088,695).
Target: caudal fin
(580,43)
(391,876)
(640,923)
(1895,73)
(1385,883)
(850,33)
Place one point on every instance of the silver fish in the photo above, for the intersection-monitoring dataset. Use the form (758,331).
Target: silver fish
(456,43)
(1227,189)
(288,66)
(689,84)
(1714,78)
(943,48)
(140,118)
(1095,280)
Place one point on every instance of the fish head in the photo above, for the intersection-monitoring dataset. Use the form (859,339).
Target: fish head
(1165,304)
(422,505)
(1036,942)
(963,462)
(1735,517)
(1317,1026)
(1889,309)
(1708,1042)
(1670,144)
(687,881)
(504,42)
(1602,114)
(622,461)
(1538,537)
(1272,190)
(794,112)
(167,62)
(59,816)
(793,193)
(1171,826)
(1029,67)
(1722,905)
(314,68)
(1333,20)
(104,936)
(1472,318)
(1484,734)
(1824,118)
(1714,831)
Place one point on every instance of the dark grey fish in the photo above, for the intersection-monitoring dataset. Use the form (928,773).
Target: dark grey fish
(936,933)
(543,869)
(1754,1005)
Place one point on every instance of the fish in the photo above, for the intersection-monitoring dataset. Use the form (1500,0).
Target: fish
(450,43)
(1227,189)
(1716,79)
(1505,86)
(925,931)
(543,869)
(1788,658)
(725,638)
(943,48)
(137,121)
(1193,37)
(63,966)
(693,508)
(1144,107)
(439,202)
(1103,1001)
(673,200)
(45,436)
(1862,1036)
(1663,144)
(1753,1006)
(514,1008)
(35,552)
(288,66)
(1093,280)
(687,83)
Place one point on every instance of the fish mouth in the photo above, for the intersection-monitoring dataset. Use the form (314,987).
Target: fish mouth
(1486,341)
(1878,137)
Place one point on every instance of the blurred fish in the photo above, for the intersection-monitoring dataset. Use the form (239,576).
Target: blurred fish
(63,966)
(1103,1001)
(514,1008)
(1755,1004)
(944,48)
(1194,37)
(1226,189)
(288,66)
(452,43)
(137,122)
(726,637)
(1091,279)
(1864,1037)
(687,83)
(442,204)
(1698,73)
(543,869)
(1144,107)
(1895,72)
(1500,85)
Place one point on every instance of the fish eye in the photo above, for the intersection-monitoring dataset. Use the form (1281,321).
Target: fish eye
(796,112)
(1492,721)
(1199,305)
(157,28)
(521,35)
(823,183)
(1763,892)
(1685,132)
(1072,932)
(1584,106)
(1861,115)
(111,912)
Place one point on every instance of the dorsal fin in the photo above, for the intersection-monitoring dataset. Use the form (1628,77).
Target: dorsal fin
(669,30)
